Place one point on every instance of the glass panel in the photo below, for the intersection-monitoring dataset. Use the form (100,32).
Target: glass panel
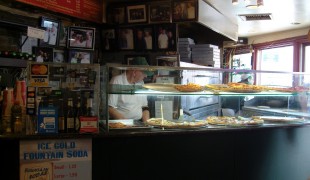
(276,59)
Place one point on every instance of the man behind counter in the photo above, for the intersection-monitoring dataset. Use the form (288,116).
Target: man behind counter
(130,106)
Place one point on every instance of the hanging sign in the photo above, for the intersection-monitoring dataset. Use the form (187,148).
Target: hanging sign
(91,10)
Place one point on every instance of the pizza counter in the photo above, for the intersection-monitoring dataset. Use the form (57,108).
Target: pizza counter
(263,152)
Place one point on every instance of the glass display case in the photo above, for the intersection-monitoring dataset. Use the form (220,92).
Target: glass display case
(201,98)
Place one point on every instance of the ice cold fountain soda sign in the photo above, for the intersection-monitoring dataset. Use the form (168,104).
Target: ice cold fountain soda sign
(56,159)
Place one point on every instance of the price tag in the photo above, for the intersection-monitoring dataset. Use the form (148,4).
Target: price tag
(35,33)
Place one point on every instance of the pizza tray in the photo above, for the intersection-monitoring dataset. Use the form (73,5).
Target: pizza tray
(178,125)
(280,119)
(165,87)
(130,124)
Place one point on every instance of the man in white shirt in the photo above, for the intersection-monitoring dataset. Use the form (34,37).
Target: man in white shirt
(130,106)
(162,39)
(148,40)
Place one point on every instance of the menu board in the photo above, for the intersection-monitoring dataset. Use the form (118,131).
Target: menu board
(66,159)
(90,10)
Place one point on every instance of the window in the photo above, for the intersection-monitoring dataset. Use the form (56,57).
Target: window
(307,62)
(276,59)
(241,61)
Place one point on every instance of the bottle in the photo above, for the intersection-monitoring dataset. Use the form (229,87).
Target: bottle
(78,114)
(89,107)
(61,117)
(18,125)
(16,113)
(70,117)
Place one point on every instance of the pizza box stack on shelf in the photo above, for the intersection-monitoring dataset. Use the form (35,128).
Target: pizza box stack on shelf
(206,54)
(184,49)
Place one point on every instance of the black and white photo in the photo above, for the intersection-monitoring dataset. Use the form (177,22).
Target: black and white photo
(160,12)
(126,38)
(136,14)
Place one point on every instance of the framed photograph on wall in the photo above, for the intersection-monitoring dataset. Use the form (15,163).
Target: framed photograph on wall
(160,12)
(126,38)
(43,54)
(109,39)
(184,10)
(137,14)
(166,36)
(129,58)
(63,36)
(116,15)
(59,56)
(80,57)
(81,38)
(51,33)
(144,38)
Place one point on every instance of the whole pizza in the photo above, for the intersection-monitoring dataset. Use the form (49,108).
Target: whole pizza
(190,87)
(159,122)
(234,121)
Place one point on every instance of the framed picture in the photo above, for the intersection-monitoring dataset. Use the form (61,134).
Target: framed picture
(125,38)
(81,38)
(184,10)
(166,37)
(80,57)
(144,38)
(160,12)
(51,32)
(43,54)
(129,58)
(109,39)
(59,56)
(136,14)
(116,15)
(63,36)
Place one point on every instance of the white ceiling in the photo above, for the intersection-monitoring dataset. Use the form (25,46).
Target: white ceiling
(284,13)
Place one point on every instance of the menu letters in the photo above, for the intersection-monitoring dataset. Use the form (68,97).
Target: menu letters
(90,10)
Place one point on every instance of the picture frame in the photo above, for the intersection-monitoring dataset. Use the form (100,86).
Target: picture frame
(80,57)
(81,38)
(144,38)
(63,36)
(51,34)
(166,37)
(160,12)
(59,56)
(126,38)
(184,10)
(109,39)
(43,54)
(116,14)
(128,58)
(137,14)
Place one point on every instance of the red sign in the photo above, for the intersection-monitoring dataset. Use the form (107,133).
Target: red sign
(90,10)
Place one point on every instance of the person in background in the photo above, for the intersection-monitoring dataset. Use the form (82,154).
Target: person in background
(246,79)
(130,106)
(140,41)
(148,39)
(162,39)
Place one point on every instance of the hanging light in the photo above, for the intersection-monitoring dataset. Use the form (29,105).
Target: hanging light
(260,3)
(234,2)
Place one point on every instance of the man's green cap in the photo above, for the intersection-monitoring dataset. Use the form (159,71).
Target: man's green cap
(141,61)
